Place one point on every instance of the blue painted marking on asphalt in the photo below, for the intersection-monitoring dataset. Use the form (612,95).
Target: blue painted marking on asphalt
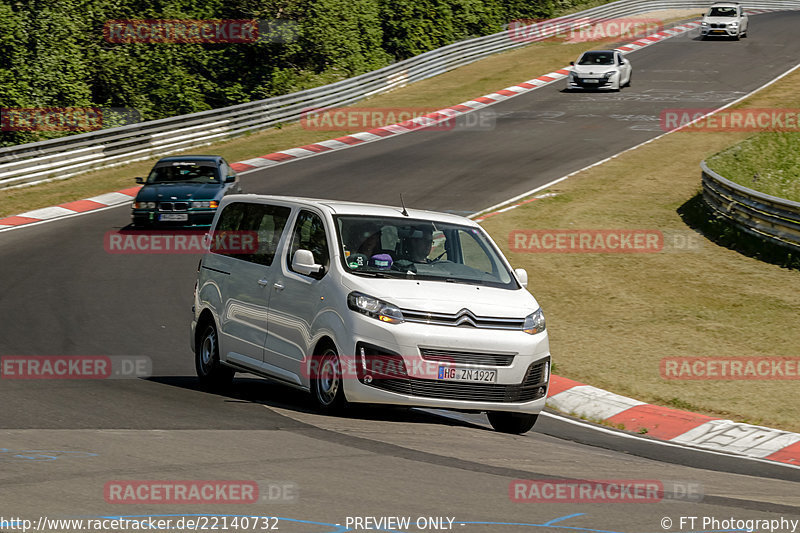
(39,455)
(562,518)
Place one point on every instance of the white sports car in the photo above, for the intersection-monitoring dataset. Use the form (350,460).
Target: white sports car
(600,69)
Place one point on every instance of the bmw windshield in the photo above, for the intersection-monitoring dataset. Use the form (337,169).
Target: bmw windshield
(184,172)
(421,249)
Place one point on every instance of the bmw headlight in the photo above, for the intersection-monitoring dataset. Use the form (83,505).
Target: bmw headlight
(375,308)
(534,323)
(704,23)
(733,24)
(144,205)
(205,204)
(609,74)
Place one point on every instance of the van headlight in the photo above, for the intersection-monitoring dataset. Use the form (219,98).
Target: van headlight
(534,323)
(375,308)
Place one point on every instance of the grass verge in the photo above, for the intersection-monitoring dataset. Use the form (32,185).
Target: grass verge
(613,317)
(768,162)
(465,83)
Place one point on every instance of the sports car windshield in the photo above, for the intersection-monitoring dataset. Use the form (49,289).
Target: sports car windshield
(722,12)
(422,249)
(184,172)
(597,58)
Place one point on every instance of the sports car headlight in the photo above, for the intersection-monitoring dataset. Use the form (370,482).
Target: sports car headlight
(375,308)
(212,204)
(609,74)
(534,323)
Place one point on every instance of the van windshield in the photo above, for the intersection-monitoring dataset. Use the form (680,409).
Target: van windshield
(422,249)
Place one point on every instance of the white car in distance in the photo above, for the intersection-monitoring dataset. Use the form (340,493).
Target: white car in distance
(600,69)
(725,19)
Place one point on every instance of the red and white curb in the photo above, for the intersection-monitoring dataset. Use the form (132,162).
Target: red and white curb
(673,425)
(69,209)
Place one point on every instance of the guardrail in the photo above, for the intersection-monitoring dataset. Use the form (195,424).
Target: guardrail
(775,219)
(61,158)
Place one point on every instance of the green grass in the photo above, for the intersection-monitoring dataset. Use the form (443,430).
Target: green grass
(768,162)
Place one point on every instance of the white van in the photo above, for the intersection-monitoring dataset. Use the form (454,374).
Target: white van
(365,303)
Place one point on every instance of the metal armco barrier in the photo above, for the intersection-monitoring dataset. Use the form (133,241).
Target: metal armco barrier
(768,217)
(38,162)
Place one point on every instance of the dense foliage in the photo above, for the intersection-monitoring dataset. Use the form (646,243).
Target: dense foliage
(53,53)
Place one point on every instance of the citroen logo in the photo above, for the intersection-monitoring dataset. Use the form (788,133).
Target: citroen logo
(465,316)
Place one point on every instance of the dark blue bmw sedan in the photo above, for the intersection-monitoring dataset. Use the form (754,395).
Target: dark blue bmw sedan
(184,191)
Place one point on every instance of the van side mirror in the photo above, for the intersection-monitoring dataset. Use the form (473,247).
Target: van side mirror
(139,180)
(303,262)
(522,276)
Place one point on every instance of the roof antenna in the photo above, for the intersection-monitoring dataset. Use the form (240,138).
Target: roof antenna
(404,212)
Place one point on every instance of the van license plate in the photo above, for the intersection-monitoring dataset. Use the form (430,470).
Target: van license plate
(475,375)
(173,217)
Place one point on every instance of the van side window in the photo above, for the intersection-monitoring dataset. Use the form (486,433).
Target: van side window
(309,234)
(265,222)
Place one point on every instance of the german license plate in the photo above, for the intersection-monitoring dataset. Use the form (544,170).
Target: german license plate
(474,375)
(173,217)
(591,80)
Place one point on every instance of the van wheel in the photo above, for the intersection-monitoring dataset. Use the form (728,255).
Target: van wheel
(515,423)
(327,387)
(212,373)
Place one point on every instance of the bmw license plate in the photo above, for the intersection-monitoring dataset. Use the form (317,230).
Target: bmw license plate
(173,217)
(475,375)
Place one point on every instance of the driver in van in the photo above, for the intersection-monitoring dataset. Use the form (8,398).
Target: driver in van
(420,243)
